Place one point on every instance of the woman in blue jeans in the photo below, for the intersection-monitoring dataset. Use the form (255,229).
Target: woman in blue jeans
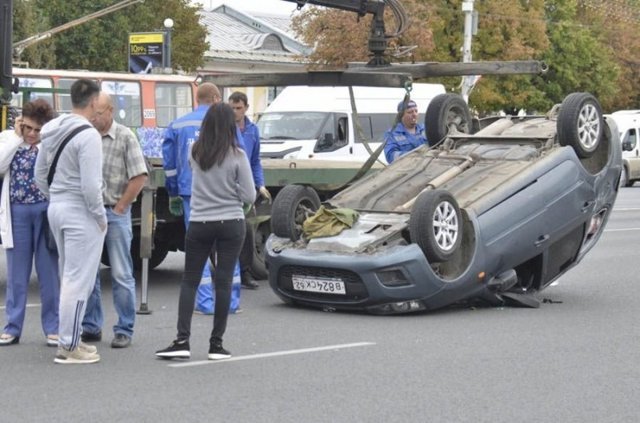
(23,209)
(222,182)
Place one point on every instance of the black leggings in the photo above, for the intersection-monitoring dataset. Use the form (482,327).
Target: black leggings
(223,239)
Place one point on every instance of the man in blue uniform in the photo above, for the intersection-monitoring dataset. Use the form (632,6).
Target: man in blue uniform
(251,138)
(180,134)
(407,135)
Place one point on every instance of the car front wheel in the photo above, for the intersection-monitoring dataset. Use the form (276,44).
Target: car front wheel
(291,207)
(436,225)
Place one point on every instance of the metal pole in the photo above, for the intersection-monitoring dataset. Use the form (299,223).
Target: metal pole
(467,81)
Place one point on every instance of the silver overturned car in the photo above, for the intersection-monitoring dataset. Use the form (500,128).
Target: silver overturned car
(496,215)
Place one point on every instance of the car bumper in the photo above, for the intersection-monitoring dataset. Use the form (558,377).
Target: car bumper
(396,280)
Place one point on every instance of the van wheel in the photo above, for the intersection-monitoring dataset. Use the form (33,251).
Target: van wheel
(580,123)
(624,178)
(436,225)
(291,207)
(444,112)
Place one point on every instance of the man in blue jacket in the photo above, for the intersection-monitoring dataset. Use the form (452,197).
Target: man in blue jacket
(180,134)
(251,137)
(407,135)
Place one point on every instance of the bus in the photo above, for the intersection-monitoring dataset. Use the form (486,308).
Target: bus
(146,103)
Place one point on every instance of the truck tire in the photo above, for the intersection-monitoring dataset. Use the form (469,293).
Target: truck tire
(436,225)
(259,266)
(443,111)
(580,123)
(291,207)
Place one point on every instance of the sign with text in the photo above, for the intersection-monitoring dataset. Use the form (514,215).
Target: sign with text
(146,51)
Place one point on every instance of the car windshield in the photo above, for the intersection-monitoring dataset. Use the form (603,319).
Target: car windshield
(291,125)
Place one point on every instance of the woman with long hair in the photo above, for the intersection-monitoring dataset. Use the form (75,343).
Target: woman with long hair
(222,183)
(23,210)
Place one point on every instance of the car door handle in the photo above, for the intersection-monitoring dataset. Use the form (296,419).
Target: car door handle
(587,205)
(541,240)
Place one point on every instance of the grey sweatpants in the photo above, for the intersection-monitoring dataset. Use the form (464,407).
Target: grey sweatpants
(79,240)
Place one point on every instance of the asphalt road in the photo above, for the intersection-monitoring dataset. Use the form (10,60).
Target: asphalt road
(572,360)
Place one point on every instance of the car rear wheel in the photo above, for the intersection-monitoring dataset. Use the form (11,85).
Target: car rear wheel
(436,225)
(291,207)
(443,112)
(580,123)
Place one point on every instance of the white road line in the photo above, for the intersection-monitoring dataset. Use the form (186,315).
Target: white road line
(622,230)
(627,209)
(274,354)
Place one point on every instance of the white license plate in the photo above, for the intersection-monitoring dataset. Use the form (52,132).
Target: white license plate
(322,285)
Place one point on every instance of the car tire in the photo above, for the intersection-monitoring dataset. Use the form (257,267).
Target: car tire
(580,123)
(443,111)
(158,254)
(436,225)
(624,178)
(291,207)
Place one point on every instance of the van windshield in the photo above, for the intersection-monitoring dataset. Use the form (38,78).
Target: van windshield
(291,125)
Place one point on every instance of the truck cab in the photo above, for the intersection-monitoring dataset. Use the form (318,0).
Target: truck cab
(628,122)
(319,122)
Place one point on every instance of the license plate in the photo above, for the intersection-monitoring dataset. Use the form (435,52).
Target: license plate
(321,285)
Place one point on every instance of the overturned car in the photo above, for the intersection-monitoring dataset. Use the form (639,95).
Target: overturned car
(496,215)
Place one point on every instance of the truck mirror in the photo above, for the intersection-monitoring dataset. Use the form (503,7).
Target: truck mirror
(326,142)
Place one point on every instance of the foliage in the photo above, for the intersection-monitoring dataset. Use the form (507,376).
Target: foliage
(102,43)
(588,45)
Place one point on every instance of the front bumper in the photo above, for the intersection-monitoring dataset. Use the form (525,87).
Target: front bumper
(398,279)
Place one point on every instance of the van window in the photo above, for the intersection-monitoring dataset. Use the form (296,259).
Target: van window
(631,138)
(127,108)
(292,125)
(374,125)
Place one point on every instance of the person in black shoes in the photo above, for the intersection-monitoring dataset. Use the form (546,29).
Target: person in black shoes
(222,182)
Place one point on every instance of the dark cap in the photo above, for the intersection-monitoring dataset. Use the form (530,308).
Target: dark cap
(410,104)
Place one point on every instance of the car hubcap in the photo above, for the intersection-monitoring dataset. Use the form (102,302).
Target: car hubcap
(589,127)
(445,226)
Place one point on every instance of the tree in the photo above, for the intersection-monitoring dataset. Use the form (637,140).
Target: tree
(102,44)
(28,21)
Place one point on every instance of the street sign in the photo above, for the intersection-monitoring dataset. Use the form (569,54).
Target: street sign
(146,51)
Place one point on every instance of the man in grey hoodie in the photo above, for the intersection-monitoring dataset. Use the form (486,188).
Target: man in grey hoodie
(76,213)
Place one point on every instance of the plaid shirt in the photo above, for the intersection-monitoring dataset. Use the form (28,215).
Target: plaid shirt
(122,160)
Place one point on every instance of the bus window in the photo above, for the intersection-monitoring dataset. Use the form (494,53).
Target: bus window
(172,101)
(127,104)
(30,82)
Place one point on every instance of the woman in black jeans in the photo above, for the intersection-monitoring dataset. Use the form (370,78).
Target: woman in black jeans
(222,182)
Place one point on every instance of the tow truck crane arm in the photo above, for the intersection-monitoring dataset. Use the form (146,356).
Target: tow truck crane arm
(377,37)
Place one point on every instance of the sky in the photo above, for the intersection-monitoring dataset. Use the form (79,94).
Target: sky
(271,6)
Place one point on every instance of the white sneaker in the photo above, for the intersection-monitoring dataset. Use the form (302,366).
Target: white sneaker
(77,356)
(90,349)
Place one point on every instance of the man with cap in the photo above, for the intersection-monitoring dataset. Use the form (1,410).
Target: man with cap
(407,135)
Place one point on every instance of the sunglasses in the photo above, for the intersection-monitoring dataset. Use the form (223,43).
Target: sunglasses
(28,128)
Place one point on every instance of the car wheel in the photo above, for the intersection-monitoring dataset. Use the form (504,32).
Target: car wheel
(444,111)
(158,254)
(580,123)
(291,207)
(436,225)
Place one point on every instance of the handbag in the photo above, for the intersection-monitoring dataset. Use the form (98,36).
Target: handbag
(48,235)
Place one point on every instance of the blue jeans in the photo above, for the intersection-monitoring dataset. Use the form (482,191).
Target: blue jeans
(29,241)
(118,245)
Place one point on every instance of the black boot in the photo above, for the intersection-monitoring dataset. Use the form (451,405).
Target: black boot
(246,281)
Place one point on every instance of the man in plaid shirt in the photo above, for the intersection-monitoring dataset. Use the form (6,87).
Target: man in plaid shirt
(124,171)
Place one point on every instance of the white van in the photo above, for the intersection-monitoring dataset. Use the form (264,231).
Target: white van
(317,122)
(628,122)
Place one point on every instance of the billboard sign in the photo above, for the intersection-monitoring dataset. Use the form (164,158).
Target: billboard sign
(146,51)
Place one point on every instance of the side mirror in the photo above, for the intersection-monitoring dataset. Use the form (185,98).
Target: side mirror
(627,146)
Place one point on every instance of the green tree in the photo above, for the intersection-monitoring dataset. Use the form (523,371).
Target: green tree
(28,21)
(102,43)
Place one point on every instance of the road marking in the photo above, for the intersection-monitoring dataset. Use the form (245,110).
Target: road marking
(627,209)
(622,230)
(274,354)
